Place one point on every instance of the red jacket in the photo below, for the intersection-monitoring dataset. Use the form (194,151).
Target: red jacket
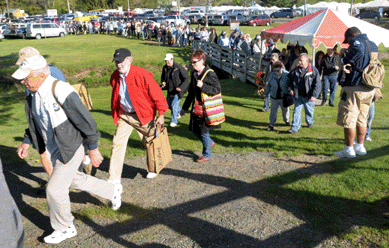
(145,94)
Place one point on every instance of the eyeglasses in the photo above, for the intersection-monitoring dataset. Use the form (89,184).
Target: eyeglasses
(277,70)
(194,62)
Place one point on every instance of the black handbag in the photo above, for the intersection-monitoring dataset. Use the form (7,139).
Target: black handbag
(288,100)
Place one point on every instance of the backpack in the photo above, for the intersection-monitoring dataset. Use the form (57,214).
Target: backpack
(82,92)
(373,74)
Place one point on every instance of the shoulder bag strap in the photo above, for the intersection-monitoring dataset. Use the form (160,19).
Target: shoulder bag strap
(202,78)
(53,91)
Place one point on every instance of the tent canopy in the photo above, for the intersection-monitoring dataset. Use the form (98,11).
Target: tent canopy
(325,27)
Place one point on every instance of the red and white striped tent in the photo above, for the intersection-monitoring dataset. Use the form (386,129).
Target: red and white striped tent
(325,27)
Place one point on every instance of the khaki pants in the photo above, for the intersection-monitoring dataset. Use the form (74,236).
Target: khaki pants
(127,123)
(67,176)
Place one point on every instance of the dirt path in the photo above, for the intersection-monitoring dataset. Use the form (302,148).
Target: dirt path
(226,202)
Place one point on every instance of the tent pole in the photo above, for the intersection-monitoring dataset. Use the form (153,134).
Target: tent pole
(313,56)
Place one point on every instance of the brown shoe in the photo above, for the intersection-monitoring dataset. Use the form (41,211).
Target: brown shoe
(202,159)
(213,144)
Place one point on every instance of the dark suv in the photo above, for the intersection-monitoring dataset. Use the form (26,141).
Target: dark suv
(288,13)
(369,14)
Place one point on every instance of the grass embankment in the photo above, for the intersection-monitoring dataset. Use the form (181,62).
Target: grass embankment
(346,196)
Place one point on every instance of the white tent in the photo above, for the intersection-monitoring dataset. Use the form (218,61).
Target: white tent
(376,4)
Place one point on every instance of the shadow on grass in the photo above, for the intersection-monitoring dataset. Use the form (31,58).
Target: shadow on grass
(322,216)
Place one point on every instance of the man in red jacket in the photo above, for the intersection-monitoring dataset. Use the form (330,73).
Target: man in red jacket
(136,97)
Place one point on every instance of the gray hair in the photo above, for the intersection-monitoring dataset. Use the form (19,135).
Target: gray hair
(305,55)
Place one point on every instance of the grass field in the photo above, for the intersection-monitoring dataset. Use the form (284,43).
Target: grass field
(346,200)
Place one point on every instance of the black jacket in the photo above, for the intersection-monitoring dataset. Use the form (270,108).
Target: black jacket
(211,86)
(308,78)
(179,78)
(328,65)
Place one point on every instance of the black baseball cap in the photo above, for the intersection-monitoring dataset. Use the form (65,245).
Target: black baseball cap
(350,32)
(121,54)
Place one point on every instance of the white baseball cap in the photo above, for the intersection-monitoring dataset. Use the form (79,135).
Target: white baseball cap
(28,65)
(168,56)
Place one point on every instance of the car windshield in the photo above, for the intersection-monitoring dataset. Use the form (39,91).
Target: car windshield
(252,18)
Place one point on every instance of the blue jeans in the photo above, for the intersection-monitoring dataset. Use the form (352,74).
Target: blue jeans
(143,35)
(309,108)
(329,82)
(370,120)
(267,101)
(207,143)
(174,106)
(163,39)
(185,42)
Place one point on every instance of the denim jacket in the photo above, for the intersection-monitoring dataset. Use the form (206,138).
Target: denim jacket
(272,85)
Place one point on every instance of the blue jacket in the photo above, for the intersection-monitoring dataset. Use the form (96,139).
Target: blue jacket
(310,79)
(272,85)
(358,59)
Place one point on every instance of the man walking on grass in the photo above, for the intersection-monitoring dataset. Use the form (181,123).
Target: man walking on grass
(175,80)
(355,98)
(305,85)
(59,124)
(136,98)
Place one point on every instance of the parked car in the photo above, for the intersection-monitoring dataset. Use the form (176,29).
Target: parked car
(194,19)
(288,13)
(16,30)
(203,19)
(238,12)
(239,18)
(176,20)
(259,20)
(220,20)
(39,30)
(153,23)
(3,28)
(1,36)
(369,14)
(172,13)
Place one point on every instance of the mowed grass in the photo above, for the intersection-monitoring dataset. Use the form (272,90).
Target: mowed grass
(344,199)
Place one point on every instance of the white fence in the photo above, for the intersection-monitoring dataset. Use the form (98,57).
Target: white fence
(237,63)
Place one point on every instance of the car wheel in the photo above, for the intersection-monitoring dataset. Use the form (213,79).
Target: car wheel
(254,24)
(61,34)
(288,16)
(376,17)
(267,24)
(272,16)
(38,36)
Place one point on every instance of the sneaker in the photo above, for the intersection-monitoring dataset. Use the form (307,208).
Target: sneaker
(173,124)
(270,128)
(114,181)
(178,116)
(368,139)
(287,124)
(59,236)
(151,175)
(346,153)
(310,125)
(359,149)
(265,109)
(332,105)
(117,196)
(323,103)
(292,131)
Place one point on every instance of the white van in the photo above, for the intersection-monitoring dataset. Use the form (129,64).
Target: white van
(236,12)
(39,30)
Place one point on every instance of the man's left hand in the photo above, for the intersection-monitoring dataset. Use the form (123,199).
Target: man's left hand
(178,89)
(313,99)
(96,157)
(160,120)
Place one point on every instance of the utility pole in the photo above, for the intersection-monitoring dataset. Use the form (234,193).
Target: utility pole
(178,6)
(207,12)
(128,6)
(68,7)
(351,8)
(7,10)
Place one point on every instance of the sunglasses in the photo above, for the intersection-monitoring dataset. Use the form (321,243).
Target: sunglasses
(277,70)
(194,62)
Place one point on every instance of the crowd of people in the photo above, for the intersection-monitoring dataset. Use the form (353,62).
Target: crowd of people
(62,129)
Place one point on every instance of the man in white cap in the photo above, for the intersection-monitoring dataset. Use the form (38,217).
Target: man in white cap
(59,124)
(175,80)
